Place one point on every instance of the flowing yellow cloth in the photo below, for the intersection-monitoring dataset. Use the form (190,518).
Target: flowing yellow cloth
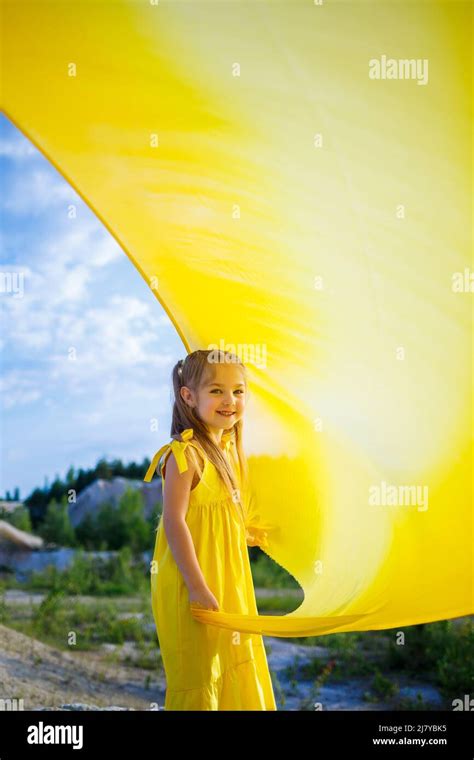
(284,203)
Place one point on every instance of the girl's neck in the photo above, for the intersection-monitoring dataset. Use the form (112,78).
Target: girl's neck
(217,436)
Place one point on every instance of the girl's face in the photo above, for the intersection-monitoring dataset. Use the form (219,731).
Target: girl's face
(223,390)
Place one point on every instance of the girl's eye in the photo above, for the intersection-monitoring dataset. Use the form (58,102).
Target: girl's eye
(239,390)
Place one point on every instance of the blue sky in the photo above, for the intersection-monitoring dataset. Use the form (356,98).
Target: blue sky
(73,293)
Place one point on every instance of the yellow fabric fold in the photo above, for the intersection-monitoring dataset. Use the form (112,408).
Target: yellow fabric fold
(287,211)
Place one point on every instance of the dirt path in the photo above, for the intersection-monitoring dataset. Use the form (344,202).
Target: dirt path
(47,677)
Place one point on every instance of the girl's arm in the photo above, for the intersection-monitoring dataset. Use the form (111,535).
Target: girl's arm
(176,493)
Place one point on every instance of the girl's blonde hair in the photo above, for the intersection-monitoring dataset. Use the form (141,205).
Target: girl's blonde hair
(193,372)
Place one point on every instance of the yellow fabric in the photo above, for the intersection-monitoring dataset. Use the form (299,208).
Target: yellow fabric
(208,668)
(276,197)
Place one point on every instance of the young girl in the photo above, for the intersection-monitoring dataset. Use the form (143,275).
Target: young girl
(201,556)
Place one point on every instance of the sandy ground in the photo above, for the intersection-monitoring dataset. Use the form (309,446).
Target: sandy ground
(47,677)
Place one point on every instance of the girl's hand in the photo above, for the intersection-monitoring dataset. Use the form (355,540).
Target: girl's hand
(205,598)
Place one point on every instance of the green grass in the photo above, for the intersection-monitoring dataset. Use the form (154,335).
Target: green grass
(267,573)
(283,604)
(439,653)
(444,650)
(116,575)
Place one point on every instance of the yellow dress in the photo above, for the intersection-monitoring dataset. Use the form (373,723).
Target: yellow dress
(208,667)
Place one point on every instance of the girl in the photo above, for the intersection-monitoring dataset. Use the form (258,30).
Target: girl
(201,556)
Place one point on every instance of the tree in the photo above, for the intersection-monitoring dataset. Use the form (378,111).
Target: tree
(21,519)
(56,527)
(124,525)
(87,533)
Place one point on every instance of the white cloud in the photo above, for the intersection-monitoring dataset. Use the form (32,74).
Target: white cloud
(34,191)
(105,251)
(84,351)
(19,387)
(80,242)
(68,334)
(17,147)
